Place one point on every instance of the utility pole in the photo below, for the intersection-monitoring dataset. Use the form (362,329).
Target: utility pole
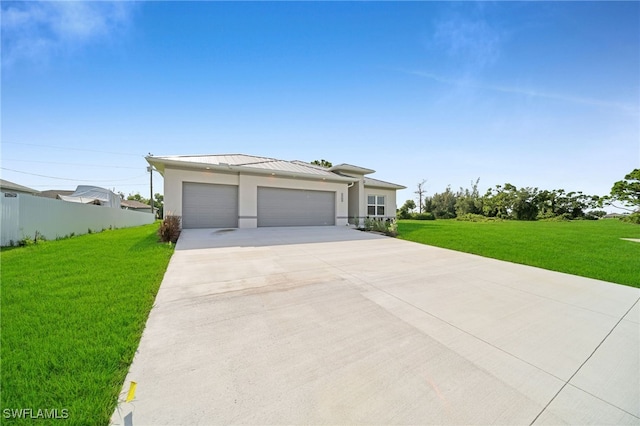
(420,193)
(150,170)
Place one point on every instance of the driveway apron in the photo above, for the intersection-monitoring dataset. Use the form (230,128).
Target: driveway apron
(329,325)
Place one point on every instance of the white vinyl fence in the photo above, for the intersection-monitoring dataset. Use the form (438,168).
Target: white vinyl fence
(23,215)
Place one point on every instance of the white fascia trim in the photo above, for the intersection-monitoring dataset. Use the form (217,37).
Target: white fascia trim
(161,163)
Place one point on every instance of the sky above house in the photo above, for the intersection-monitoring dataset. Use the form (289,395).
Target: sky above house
(538,94)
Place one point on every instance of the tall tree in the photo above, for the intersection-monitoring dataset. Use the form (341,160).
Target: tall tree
(627,191)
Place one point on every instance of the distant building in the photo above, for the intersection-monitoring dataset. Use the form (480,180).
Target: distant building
(14,188)
(612,215)
(53,193)
(135,205)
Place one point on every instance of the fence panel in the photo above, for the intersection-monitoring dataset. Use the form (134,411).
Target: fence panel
(25,214)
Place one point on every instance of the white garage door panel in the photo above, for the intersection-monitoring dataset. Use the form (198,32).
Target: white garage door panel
(209,206)
(295,207)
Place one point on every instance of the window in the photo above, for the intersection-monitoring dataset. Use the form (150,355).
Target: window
(375,205)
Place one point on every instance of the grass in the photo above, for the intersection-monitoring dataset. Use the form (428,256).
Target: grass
(73,312)
(587,248)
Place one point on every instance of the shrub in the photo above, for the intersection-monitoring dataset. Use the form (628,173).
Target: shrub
(423,216)
(28,241)
(403,214)
(560,218)
(632,218)
(169,230)
(470,217)
(386,226)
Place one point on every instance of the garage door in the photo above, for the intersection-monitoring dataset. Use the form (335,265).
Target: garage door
(295,207)
(209,206)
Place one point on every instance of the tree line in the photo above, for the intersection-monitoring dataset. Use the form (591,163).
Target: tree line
(526,203)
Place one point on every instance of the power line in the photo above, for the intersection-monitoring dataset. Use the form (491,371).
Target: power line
(72,149)
(72,164)
(124,184)
(74,180)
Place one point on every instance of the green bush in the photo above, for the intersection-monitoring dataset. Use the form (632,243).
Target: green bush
(27,241)
(403,214)
(632,218)
(423,216)
(470,217)
(386,226)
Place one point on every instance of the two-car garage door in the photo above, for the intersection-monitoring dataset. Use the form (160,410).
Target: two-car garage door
(295,207)
(216,206)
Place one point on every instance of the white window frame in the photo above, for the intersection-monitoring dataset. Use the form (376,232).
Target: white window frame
(380,202)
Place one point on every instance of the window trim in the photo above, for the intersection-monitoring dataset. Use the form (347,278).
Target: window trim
(376,205)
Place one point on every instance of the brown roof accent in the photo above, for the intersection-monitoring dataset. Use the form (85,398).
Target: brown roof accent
(134,204)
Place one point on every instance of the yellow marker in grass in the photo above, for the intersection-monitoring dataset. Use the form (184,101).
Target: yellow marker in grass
(132,391)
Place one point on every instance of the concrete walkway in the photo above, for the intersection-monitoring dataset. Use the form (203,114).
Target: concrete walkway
(330,325)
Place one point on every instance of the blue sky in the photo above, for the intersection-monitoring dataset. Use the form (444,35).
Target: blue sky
(543,94)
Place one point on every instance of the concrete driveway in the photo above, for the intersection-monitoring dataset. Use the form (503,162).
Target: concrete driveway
(326,325)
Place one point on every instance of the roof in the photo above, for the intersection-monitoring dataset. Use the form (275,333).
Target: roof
(350,168)
(134,204)
(53,193)
(11,186)
(381,184)
(248,164)
(87,194)
(268,166)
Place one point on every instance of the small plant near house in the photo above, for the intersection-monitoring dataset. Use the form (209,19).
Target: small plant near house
(356,221)
(388,227)
(28,241)
(169,230)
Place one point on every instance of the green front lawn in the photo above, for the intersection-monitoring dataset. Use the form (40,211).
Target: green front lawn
(72,315)
(586,248)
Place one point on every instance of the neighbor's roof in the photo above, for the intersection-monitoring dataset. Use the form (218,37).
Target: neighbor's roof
(53,193)
(11,186)
(134,204)
(246,163)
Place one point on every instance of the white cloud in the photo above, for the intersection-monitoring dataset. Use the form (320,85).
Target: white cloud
(472,42)
(530,92)
(35,31)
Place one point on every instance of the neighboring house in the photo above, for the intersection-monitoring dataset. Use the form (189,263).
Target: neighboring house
(614,215)
(135,206)
(245,191)
(86,194)
(13,188)
(53,193)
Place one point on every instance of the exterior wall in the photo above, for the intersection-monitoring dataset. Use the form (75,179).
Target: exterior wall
(24,214)
(389,201)
(248,191)
(354,204)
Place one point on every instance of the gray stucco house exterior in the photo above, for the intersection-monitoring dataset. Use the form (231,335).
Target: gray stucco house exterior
(246,191)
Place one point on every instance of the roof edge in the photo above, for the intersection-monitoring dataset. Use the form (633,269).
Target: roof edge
(161,163)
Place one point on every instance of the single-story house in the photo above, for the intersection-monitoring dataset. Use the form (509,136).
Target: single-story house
(14,188)
(245,191)
(135,206)
(54,193)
